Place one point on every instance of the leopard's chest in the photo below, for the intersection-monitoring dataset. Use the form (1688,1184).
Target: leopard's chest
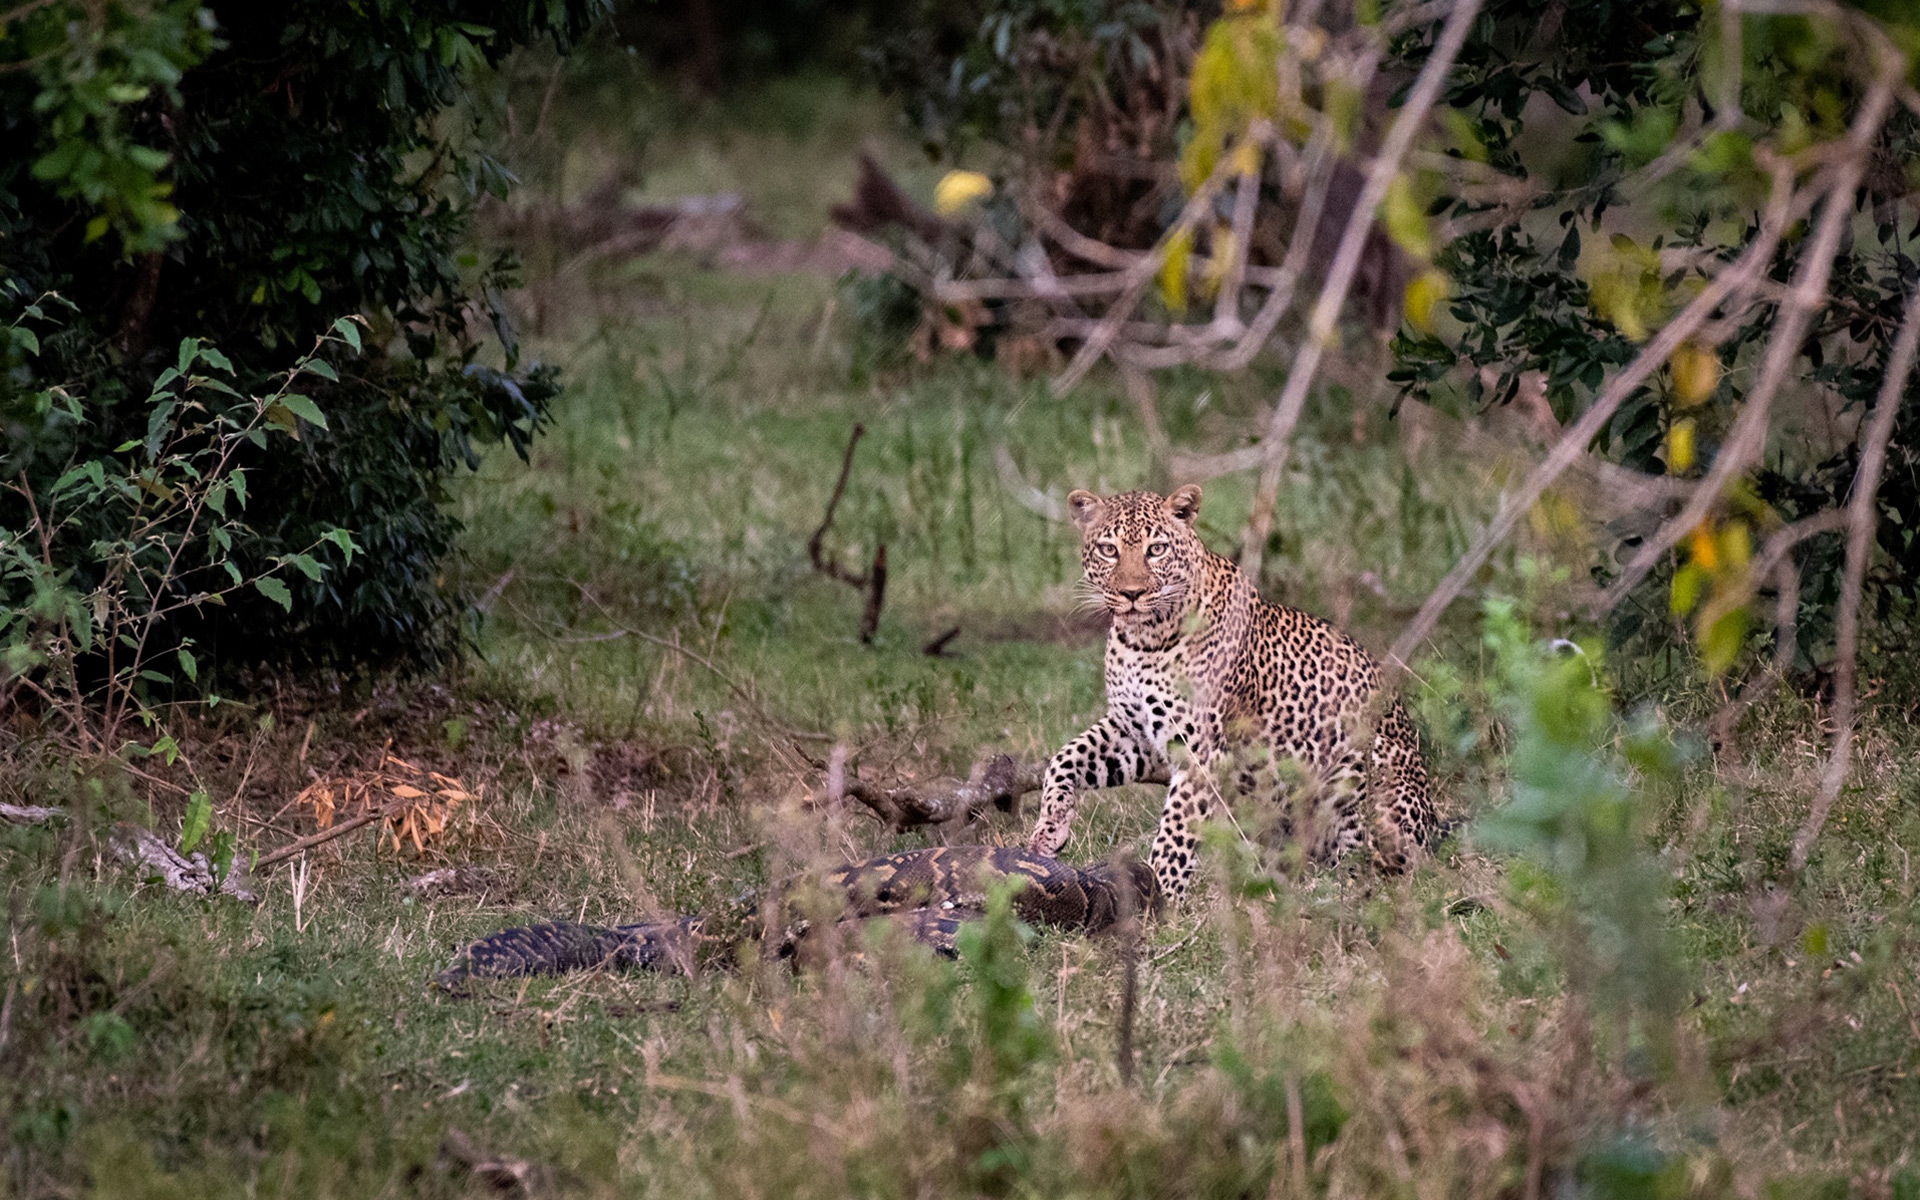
(1153,693)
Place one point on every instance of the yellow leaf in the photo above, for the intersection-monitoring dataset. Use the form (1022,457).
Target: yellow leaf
(1220,262)
(1625,287)
(960,190)
(407,793)
(1173,272)
(1696,372)
(1405,219)
(1736,544)
(1247,157)
(1687,582)
(1680,447)
(1700,545)
(1342,102)
(1720,642)
(1425,292)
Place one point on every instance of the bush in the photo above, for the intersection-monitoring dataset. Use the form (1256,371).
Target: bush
(246,174)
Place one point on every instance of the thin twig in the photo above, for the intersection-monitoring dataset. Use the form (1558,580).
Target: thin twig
(1572,446)
(1863,514)
(830,566)
(1746,441)
(339,829)
(735,686)
(1346,261)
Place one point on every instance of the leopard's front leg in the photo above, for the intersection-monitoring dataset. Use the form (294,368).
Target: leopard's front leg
(1106,755)
(1191,796)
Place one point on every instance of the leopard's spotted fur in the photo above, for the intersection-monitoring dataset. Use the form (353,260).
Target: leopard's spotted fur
(1232,693)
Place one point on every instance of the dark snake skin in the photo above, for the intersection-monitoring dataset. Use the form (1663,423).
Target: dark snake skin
(930,893)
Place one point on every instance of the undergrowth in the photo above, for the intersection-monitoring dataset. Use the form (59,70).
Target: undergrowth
(1570,1000)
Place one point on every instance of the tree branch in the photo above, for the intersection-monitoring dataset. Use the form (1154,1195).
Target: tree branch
(1333,296)
(1863,514)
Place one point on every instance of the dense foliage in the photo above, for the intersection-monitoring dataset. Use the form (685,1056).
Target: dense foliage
(1559,292)
(247,174)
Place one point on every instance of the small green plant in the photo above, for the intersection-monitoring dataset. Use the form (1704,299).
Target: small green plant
(94,630)
(1577,819)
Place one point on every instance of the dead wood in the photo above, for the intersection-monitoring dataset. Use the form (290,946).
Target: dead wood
(874,579)
(141,847)
(503,1176)
(937,648)
(879,204)
(995,784)
(35,814)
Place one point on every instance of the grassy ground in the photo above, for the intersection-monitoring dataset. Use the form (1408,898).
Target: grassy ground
(1487,1026)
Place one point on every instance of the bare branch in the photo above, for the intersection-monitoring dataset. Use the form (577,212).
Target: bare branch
(1333,296)
(830,567)
(1863,514)
(1140,274)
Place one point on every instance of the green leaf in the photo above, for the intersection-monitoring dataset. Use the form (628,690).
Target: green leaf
(214,358)
(26,338)
(275,591)
(189,350)
(349,331)
(188,665)
(304,408)
(157,423)
(199,817)
(343,540)
(305,564)
(322,368)
(220,855)
(238,482)
(1723,641)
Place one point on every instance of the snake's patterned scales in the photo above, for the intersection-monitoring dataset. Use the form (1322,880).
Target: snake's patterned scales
(930,892)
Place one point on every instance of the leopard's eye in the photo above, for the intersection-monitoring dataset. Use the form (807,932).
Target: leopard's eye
(1109,550)
(1156,549)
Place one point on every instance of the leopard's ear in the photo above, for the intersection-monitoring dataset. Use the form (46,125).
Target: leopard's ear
(1085,508)
(1184,504)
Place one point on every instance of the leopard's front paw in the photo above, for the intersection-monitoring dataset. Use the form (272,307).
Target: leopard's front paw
(1047,839)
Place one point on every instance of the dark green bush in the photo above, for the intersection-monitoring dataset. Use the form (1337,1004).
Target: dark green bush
(246,174)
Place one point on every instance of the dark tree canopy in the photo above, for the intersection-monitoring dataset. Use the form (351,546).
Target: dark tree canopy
(246,174)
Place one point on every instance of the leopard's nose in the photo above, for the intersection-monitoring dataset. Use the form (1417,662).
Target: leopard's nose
(1132,593)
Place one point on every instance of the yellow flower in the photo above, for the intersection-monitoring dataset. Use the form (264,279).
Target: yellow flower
(960,190)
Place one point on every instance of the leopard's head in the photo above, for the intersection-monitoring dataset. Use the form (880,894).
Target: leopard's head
(1139,549)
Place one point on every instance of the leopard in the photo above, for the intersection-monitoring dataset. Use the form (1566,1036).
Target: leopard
(1220,693)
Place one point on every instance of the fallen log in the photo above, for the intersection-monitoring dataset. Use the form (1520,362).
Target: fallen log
(30,814)
(995,784)
(141,847)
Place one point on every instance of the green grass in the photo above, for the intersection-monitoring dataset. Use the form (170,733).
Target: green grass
(1427,1029)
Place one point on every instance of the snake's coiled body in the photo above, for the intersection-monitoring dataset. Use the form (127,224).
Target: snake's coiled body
(929,892)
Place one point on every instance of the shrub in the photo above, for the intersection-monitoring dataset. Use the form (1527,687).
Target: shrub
(246,173)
